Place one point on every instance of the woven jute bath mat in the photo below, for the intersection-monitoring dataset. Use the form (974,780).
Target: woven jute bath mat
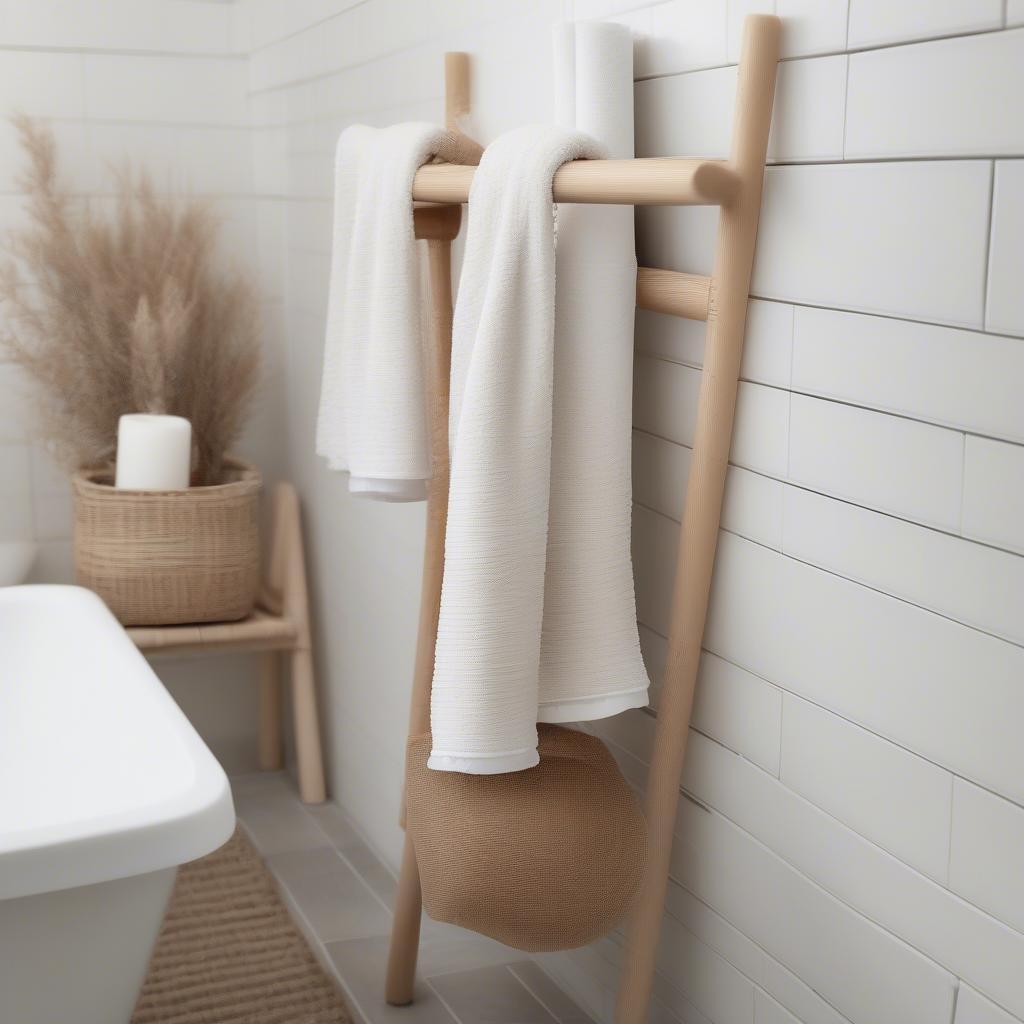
(228,952)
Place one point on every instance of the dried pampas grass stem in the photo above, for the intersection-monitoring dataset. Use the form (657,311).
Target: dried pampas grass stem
(128,314)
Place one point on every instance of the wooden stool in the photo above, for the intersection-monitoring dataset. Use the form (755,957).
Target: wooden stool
(279,627)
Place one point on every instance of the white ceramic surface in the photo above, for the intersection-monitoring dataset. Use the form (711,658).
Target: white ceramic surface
(80,954)
(104,789)
(101,775)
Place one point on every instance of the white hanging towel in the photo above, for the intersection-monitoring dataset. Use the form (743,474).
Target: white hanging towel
(373,421)
(538,619)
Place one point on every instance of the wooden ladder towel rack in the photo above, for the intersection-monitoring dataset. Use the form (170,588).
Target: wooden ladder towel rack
(720,300)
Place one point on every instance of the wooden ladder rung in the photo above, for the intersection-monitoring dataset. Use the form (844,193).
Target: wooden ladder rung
(669,291)
(654,181)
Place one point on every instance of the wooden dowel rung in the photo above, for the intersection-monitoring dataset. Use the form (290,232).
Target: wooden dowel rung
(655,181)
(669,291)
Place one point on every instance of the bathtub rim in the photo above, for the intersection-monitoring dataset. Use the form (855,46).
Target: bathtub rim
(192,822)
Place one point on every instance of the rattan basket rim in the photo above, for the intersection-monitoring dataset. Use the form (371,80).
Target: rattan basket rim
(96,482)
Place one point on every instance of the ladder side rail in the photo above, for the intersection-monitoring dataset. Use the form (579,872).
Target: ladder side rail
(730,287)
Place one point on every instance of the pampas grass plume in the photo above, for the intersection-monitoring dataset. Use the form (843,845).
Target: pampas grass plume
(131,313)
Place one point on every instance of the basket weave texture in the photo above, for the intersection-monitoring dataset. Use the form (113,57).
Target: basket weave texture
(160,558)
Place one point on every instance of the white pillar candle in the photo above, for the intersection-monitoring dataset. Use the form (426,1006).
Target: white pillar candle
(154,453)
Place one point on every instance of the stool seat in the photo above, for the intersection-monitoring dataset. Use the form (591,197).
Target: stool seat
(261,631)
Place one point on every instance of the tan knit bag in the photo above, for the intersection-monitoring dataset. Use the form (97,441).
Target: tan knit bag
(543,859)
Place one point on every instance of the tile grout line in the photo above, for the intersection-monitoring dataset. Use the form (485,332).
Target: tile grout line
(309,933)
(305,28)
(778,300)
(785,689)
(820,54)
(848,579)
(807,488)
(757,945)
(789,419)
(724,956)
(444,1002)
(91,51)
(713,809)
(848,403)
(522,981)
(339,853)
(312,935)
(989,234)
(846,79)
(949,838)
(278,86)
(963,488)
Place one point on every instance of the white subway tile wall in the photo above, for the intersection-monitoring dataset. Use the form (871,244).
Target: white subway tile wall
(962,379)
(950,97)
(885,462)
(154,82)
(994,492)
(876,22)
(972,1008)
(868,236)
(987,852)
(898,801)
(850,841)
(160,84)
(1004,310)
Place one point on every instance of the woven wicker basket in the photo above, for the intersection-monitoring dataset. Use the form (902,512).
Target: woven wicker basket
(166,557)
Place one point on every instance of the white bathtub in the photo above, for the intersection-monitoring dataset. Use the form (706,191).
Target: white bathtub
(104,789)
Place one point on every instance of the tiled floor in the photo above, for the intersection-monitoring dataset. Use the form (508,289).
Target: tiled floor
(341,896)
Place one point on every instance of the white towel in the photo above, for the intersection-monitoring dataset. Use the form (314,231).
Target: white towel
(372,420)
(538,617)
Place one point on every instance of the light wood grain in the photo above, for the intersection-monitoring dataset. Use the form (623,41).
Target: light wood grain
(261,631)
(439,225)
(405,927)
(727,312)
(655,181)
(669,291)
(456,89)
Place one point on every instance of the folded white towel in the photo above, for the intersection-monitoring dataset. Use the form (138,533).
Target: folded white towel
(537,614)
(372,419)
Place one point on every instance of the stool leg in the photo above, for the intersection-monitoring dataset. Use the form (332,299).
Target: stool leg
(307,729)
(405,932)
(271,747)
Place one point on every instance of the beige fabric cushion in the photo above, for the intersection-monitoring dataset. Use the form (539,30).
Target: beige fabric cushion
(543,859)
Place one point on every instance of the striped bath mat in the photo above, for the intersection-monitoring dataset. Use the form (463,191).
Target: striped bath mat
(229,953)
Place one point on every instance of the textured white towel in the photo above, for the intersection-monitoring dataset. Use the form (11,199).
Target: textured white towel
(372,419)
(538,618)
